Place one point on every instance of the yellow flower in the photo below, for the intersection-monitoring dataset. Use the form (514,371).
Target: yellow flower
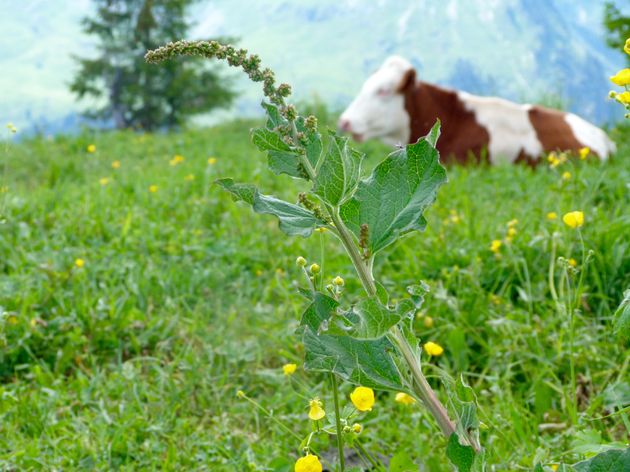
(116,165)
(212,161)
(308,463)
(627,46)
(12,129)
(405,399)
(289,369)
(623,97)
(362,398)
(554,467)
(300,261)
(240,394)
(572,262)
(153,188)
(512,223)
(433,349)
(357,428)
(552,215)
(584,152)
(428,322)
(495,246)
(177,159)
(189,178)
(621,78)
(103,181)
(91,148)
(316,411)
(33,322)
(511,232)
(315,268)
(573,219)
(338,281)
(79,263)
(566,175)
(12,320)
(259,273)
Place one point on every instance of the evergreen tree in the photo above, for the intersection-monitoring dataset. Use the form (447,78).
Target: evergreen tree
(133,93)
(617,26)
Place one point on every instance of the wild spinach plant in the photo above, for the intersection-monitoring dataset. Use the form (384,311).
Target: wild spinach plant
(372,342)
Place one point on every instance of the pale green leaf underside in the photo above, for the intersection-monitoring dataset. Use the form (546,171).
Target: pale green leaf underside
(610,461)
(294,220)
(393,199)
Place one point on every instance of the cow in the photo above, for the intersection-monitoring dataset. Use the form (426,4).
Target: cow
(395,107)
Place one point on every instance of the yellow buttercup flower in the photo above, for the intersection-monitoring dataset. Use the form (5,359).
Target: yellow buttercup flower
(212,161)
(511,232)
(584,152)
(623,97)
(308,463)
(189,177)
(512,223)
(621,78)
(362,398)
(495,246)
(404,398)
(573,219)
(153,188)
(566,175)
(91,148)
(177,159)
(552,215)
(79,263)
(289,369)
(116,165)
(103,181)
(572,262)
(316,411)
(433,349)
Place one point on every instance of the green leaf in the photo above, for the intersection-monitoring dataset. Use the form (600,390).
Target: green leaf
(318,312)
(294,220)
(622,318)
(338,172)
(313,143)
(362,362)
(370,319)
(461,456)
(610,461)
(274,118)
(393,199)
(281,159)
(401,462)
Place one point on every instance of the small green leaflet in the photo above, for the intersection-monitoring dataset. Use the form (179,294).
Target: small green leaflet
(622,318)
(461,456)
(393,199)
(294,220)
(339,171)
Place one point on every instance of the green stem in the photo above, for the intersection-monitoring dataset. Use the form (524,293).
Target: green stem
(342,460)
(362,450)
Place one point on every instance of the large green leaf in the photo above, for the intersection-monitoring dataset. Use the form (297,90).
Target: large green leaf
(362,362)
(461,456)
(610,461)
(370,319)
(393,199)
(339,171)
(294,220)
(319,311)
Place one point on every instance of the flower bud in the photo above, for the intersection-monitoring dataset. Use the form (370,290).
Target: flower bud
(338,281)
(315,268)
(300,261)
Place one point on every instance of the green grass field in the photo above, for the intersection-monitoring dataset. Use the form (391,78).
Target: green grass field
(133,361)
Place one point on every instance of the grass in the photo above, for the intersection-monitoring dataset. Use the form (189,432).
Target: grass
(133,361)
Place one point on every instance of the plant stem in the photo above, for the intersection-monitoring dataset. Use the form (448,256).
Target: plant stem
(342,461)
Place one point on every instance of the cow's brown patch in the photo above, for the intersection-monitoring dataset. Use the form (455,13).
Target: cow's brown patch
(553,132)
(462,136)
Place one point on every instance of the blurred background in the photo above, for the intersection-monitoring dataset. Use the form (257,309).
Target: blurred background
(553,52)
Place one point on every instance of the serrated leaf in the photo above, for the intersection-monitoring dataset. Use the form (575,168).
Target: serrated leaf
(622,318)
(338,173)
(313,143)
(610,461)
(362,362)
(294,220)
(370,319)
(318,312)
(461,456)
(281,159)
(274,118)
(393,199)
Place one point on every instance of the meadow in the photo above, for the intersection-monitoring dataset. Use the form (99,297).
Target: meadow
(137,299)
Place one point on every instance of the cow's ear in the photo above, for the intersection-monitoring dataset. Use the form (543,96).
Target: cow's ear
(408,80)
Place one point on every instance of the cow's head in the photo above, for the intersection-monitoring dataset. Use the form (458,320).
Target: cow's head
(379,109)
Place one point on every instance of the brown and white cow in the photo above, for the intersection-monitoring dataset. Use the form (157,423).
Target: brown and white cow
(396,108)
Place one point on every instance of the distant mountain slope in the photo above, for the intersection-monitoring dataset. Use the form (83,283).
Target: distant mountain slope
(519,49)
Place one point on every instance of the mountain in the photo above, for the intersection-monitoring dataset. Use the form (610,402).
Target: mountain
(525,50)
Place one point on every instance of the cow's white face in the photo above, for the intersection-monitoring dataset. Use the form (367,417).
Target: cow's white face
(379,109)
